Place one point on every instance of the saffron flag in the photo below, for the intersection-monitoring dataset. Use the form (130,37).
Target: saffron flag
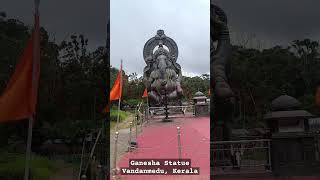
(116,91)
(209,94)
(18,100)
(317,97)
(145,93)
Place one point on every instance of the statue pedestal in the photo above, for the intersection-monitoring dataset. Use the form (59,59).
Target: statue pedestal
(167,120)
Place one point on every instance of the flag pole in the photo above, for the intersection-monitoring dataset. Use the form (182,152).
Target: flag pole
(119,103)
(31,118)
(28,152)
(148,101)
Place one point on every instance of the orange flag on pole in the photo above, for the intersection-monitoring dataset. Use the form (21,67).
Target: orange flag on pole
(18,100)
(145,93)
(116,91)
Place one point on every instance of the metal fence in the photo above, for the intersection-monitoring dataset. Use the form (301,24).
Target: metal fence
(241,154)
(174,110)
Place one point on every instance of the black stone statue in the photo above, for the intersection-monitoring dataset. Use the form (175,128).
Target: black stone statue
(223,98)
(162,75)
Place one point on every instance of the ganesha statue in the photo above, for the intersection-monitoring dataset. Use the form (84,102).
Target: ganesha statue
(223,98)
(162,74)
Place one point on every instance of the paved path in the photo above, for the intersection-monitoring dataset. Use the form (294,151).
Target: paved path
(123,139)
(122,147)
(159,141)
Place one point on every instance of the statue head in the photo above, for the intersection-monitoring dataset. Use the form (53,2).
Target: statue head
(161,56)
(161,51)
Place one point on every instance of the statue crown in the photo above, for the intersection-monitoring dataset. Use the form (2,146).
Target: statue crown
(161,51)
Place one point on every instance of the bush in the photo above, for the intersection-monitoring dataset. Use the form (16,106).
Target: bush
(12,167)
(114,113)
(131,102)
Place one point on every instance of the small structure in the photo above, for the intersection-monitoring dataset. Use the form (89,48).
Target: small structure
(199,98)
(286,116)
(294,147)
(201,106)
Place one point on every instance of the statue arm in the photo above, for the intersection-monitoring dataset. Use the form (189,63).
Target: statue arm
(178,71)
(146,78)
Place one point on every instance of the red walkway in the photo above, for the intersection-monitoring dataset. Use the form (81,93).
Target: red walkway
(159,141)
(265,177)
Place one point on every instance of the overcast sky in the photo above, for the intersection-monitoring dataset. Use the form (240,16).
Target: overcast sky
(273,21)
(187,22)
(133,22)
(64,17)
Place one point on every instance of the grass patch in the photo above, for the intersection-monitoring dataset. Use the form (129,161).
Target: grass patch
(12,167)
(125,118)
(114,113)
(131,102)
(113,124)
